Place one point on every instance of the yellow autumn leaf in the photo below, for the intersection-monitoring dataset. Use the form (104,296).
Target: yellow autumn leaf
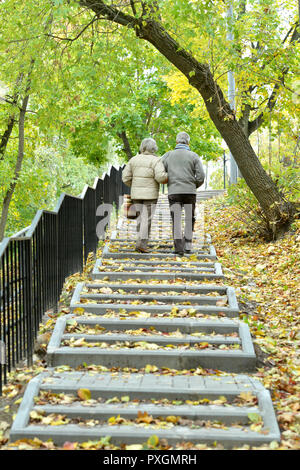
(149,368)
(116,420)
(47,420)
(59,422)
(84,394)
(247,397)
(79,311)
(153,441)
(172,419)
(36,415)
(144,417)
(125,399)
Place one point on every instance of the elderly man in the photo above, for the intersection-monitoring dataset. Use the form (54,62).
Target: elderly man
(143,173)
(185,175)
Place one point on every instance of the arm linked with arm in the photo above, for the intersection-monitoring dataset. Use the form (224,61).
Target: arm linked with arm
(160,175)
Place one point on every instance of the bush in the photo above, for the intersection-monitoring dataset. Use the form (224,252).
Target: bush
(250,213)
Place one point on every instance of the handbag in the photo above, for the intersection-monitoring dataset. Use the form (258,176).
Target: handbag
(129,208)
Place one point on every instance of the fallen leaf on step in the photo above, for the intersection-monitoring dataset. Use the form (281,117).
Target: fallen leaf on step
(84,394)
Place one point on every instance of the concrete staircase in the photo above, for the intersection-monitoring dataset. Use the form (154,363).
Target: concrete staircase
(169,327)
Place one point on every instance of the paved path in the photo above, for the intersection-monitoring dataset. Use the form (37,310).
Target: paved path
(172,325)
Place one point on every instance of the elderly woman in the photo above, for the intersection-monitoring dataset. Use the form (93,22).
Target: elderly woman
(143,173)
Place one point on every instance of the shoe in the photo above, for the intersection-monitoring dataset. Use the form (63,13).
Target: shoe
(179,253)
(143,250)
(188,252)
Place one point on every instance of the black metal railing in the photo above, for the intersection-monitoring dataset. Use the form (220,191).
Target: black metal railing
(35,262)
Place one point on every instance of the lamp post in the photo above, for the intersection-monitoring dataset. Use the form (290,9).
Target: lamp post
(225,160)
(224,168)
(231,96)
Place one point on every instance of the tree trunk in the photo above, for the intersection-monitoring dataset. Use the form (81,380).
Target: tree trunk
(127,147)
(6,135)
(11,119)
(9,193)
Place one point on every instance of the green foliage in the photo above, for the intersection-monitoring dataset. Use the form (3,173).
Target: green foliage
(279,154)
(91,81)
(216,180)
(240,194)
(45,175)
(287,179)
(262,54)
(252,219)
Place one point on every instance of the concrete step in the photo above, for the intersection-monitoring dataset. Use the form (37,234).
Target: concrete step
(120,347)
(208,326)
(141,265)
(224,418)
(157,264)
(162,251)
(200,298)
(208,271)
(163,245)
(206,239)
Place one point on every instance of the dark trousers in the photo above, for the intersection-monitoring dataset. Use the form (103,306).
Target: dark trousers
(182,239)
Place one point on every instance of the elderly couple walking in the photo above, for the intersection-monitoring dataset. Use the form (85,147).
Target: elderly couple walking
(182,170)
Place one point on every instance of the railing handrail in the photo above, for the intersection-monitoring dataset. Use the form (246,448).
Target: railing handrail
(28,230)
(19,234)
(35,261)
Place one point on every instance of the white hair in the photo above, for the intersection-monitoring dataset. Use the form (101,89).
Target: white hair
(148,145)
(183,138)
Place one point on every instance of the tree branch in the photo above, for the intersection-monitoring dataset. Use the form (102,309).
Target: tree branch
(78,35)
(127,147)
(110,12)
(133,7)
(11,119)
(6,135)
(257,122)
(10,191)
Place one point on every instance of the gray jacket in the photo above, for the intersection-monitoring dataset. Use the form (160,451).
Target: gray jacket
(185,171)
